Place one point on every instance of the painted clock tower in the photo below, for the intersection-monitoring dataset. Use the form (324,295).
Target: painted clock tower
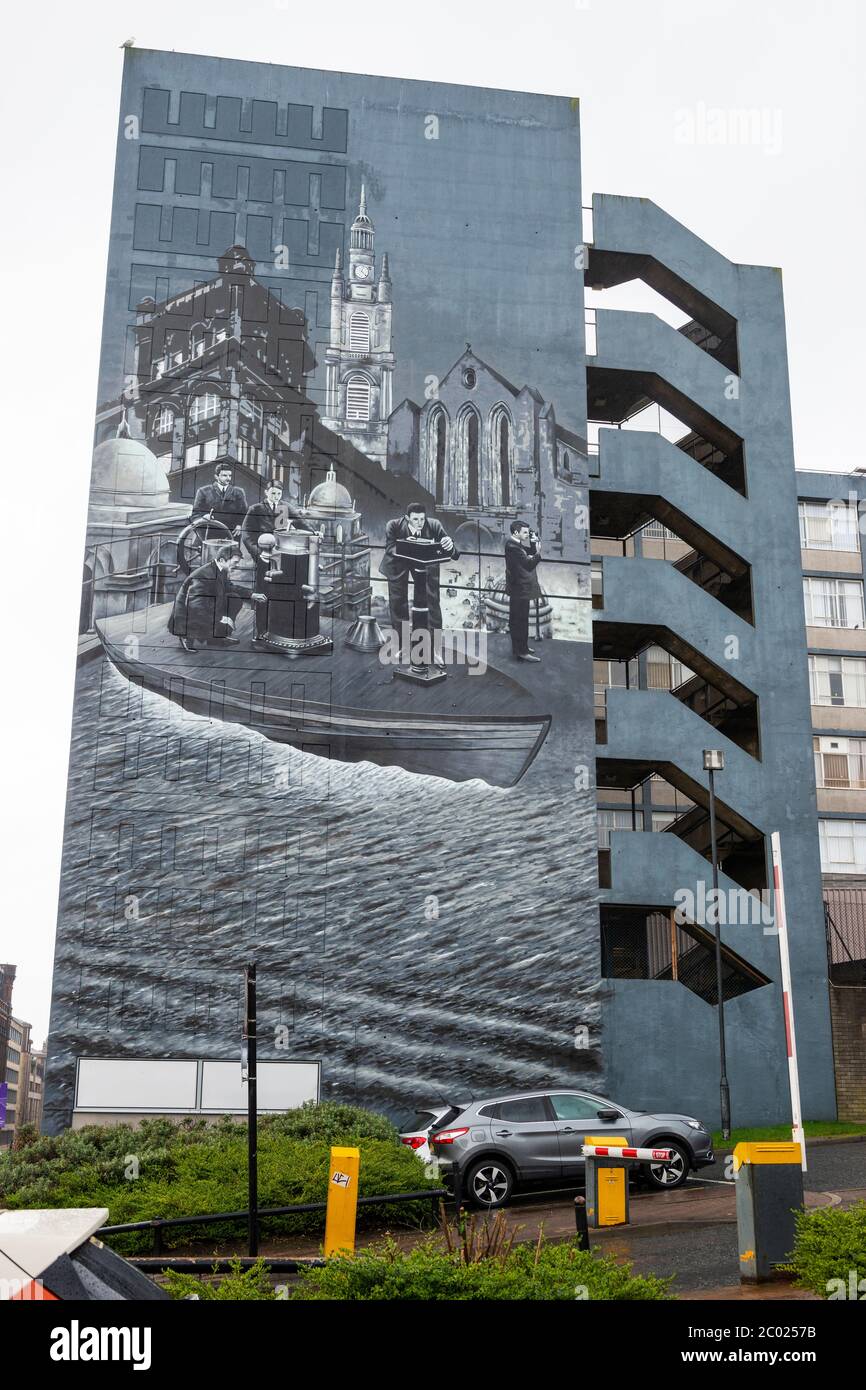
(359,362)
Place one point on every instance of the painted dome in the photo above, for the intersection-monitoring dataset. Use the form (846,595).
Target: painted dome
(330,498)
(126,474)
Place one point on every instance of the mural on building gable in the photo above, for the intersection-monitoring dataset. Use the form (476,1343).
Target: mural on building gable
(335,704)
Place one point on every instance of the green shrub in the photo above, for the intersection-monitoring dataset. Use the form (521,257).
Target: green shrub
(193,1168)
(544,1271)
(828,1245)
(241,1285)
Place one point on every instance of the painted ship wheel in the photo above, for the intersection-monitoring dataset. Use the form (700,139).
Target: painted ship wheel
(190,542)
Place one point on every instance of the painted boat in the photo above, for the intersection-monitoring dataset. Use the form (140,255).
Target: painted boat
(344,704)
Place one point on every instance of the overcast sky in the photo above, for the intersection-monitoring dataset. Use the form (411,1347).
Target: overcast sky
(659,84)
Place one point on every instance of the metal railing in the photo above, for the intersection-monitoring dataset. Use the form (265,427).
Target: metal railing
(845,924)
(158,1224)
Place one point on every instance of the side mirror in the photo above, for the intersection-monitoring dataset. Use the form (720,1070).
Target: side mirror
(608,1115)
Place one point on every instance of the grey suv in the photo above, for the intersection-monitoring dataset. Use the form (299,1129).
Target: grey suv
(536,1136)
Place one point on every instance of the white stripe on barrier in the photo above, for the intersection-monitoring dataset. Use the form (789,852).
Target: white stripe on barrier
(644,1155)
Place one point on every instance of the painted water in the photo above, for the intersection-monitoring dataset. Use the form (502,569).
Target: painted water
(421,938)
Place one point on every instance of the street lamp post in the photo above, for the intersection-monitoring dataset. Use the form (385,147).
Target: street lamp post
(714,761)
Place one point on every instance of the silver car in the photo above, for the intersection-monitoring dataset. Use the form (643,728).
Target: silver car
(491,1146)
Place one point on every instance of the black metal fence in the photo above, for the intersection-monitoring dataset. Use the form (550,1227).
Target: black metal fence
(157,1225)
(845,923)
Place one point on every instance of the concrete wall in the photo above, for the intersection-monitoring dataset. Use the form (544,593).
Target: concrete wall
(848,1010)
(661,1041)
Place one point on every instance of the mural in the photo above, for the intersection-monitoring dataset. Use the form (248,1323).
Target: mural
(334,705)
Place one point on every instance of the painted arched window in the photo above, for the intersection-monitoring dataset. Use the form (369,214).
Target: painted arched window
(440,444)
(467,461)
(501,450)
(436,449)
(359,333)
(357,397)
(473,481)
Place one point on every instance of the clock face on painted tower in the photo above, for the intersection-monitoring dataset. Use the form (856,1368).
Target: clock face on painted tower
(362,272)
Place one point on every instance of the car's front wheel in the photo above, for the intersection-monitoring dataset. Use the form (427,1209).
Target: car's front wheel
(489,1183)
(667,1177)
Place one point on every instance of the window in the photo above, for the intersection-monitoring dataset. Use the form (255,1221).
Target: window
(251,409)
(840,762)
(575,1107)
(843,846)
(357,398)
(663,671)
(525,1111)
(204,407)
(500,452)
(617,820)
(250,456)
(662,819)
(438,446)
(597,584)
(359,333)
(829,526)
(166,420)
(838,680)
(654,531)
(473,495)
(833,602)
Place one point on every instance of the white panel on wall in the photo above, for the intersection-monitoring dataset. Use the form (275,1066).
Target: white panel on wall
(281,1085)
(136,1084)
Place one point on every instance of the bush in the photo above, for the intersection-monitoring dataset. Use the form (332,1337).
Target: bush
(241,1285)
(544,1271)
(828,1245)
(194,1168)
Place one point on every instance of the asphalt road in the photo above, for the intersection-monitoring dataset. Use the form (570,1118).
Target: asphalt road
(703,1256)
(832,1167)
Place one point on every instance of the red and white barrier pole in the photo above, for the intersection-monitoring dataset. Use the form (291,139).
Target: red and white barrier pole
(787,997)
(642,1155)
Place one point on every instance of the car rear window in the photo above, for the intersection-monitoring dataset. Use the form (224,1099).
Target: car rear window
(450,1115)
(417,1120)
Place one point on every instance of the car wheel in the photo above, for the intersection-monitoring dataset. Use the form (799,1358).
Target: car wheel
(489,1183)
(667,1177)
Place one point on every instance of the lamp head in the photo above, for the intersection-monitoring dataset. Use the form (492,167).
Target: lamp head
(714,760)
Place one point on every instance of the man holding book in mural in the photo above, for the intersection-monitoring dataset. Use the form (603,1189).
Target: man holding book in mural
(414,525)
(522,558)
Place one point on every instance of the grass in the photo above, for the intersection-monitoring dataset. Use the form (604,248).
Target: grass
(814,1129)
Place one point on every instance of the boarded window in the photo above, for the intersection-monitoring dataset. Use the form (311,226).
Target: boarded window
(358,398)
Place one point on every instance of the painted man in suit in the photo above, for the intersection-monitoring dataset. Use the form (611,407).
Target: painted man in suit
(208,603)
(264,518)
(415,523)
(522,558)
(221,500)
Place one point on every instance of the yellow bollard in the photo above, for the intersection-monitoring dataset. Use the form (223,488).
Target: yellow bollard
(342,1202)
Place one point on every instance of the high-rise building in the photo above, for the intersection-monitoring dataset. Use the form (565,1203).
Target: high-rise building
(17,1078)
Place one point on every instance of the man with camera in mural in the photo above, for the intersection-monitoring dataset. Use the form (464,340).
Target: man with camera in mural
(522,558)
(414,525)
